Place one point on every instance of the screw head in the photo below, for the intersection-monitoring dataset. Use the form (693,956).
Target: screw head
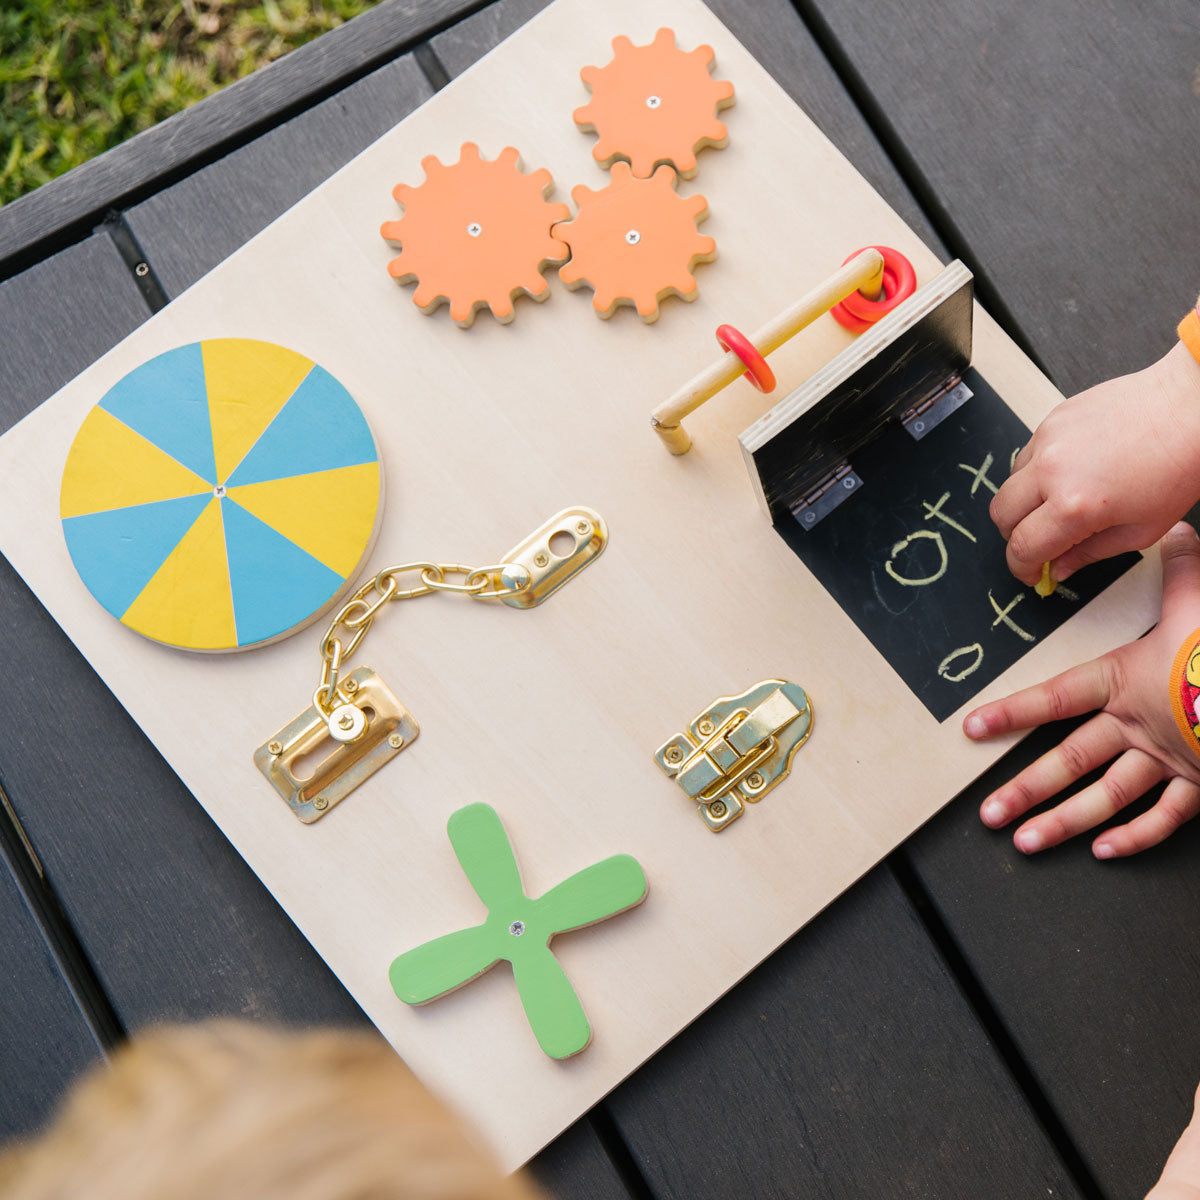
(717,809)
(540,559)
(395,741)
(673,754)
(219,490)
(755,780)
(653,101)
(142,270)
(474,229)
(517,928)
(633,236)
(349,686)
(847,483)
(347,723)
(275,747)
(320,804)
(809,518)
(706,726)
(583,527)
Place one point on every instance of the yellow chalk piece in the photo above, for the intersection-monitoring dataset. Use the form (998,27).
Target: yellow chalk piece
(188,601)
(1046,585)
(109,466)
(330,514)
(248,382)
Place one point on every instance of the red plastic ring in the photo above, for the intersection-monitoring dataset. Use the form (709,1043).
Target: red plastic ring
(857,313)
(757,371)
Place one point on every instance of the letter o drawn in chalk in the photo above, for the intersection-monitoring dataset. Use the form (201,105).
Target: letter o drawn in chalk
(912,537)
(944,666)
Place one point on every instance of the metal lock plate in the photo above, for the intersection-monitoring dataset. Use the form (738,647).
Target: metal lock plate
(387,728)
(738,748)
(556,553)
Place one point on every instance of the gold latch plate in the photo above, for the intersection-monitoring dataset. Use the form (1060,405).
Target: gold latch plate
(390,729)
(738,748)
(556,553)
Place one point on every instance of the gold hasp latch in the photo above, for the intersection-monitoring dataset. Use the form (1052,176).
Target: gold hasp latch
(738,748)
(369,727)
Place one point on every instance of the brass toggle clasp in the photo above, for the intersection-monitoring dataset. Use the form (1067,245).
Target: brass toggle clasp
(738,748)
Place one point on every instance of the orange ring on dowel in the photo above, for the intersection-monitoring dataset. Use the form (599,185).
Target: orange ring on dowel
(857,313)
(757,371)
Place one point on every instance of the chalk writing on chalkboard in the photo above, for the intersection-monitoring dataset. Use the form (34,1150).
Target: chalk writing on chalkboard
(914,559)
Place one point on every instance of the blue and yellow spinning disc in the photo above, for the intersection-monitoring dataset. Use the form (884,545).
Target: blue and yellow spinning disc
(221,495)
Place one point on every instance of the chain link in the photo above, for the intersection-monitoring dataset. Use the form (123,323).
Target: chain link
(358,613)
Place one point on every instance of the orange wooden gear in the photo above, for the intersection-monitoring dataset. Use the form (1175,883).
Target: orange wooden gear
(476,233)
(654,104)
(635,242)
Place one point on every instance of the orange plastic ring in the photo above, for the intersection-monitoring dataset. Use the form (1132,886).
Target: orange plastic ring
(857,313)
(757,371)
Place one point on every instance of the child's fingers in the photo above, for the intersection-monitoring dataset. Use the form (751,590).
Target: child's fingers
(1179,802)
(1181,567)
(1081,751)
(1018,496)
(1081,689)
(1104,544)
(1041,537)
(1181,1175)
(1127,779)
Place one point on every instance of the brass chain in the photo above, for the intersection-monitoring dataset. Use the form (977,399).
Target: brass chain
(359,612)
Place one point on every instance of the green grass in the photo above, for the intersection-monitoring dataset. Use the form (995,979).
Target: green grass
(79,76)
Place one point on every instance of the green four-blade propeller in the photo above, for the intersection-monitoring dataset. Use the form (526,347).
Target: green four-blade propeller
(519,930)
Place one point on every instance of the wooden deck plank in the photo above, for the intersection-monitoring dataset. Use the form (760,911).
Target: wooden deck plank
(44,1040)
(845,1066)
(1061,142)
(187,229)
(72,203)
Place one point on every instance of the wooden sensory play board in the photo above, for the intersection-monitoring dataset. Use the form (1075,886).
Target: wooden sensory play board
(553,716)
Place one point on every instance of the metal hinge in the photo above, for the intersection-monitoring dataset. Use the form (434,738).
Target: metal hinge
(825,495)
(926,415)
(738,748)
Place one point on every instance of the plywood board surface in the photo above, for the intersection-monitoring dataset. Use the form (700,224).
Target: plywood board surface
(552,715)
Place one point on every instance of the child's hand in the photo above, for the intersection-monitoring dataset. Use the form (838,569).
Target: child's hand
(1181,1176)
(1134,725)
(1107,471)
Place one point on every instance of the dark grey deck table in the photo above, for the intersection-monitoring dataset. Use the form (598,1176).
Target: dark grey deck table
(964,1021)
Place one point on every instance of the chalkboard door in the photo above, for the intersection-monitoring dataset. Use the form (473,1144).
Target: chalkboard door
(914,559)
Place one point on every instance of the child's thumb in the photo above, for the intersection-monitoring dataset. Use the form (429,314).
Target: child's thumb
(1181,571)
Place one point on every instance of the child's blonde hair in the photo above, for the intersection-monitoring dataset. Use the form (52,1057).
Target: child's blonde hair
(226,1110)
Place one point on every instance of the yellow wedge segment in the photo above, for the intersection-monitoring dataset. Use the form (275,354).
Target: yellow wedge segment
(248,382)
(109,466)
(188,601)
(330,514)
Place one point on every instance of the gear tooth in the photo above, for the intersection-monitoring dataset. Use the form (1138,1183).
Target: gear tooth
(581,194)
(399,271)
(463,311)
(622,171)
(704,53)
(558,212)
(542,180)
(390,231)
(588,76)
(685,163)
(724,93)
(664,37)
(647,308)
(510,156)
(538,287)
(696,205)
(431,165)
(621,44)
(707,247)
(664,176)
(502,308)
(425,297)
(605,305)
(717,133)
(469,152)
(570,273)
(402,194)
(582,117)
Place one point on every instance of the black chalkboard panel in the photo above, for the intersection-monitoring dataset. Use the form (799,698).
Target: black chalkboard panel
(914,559)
